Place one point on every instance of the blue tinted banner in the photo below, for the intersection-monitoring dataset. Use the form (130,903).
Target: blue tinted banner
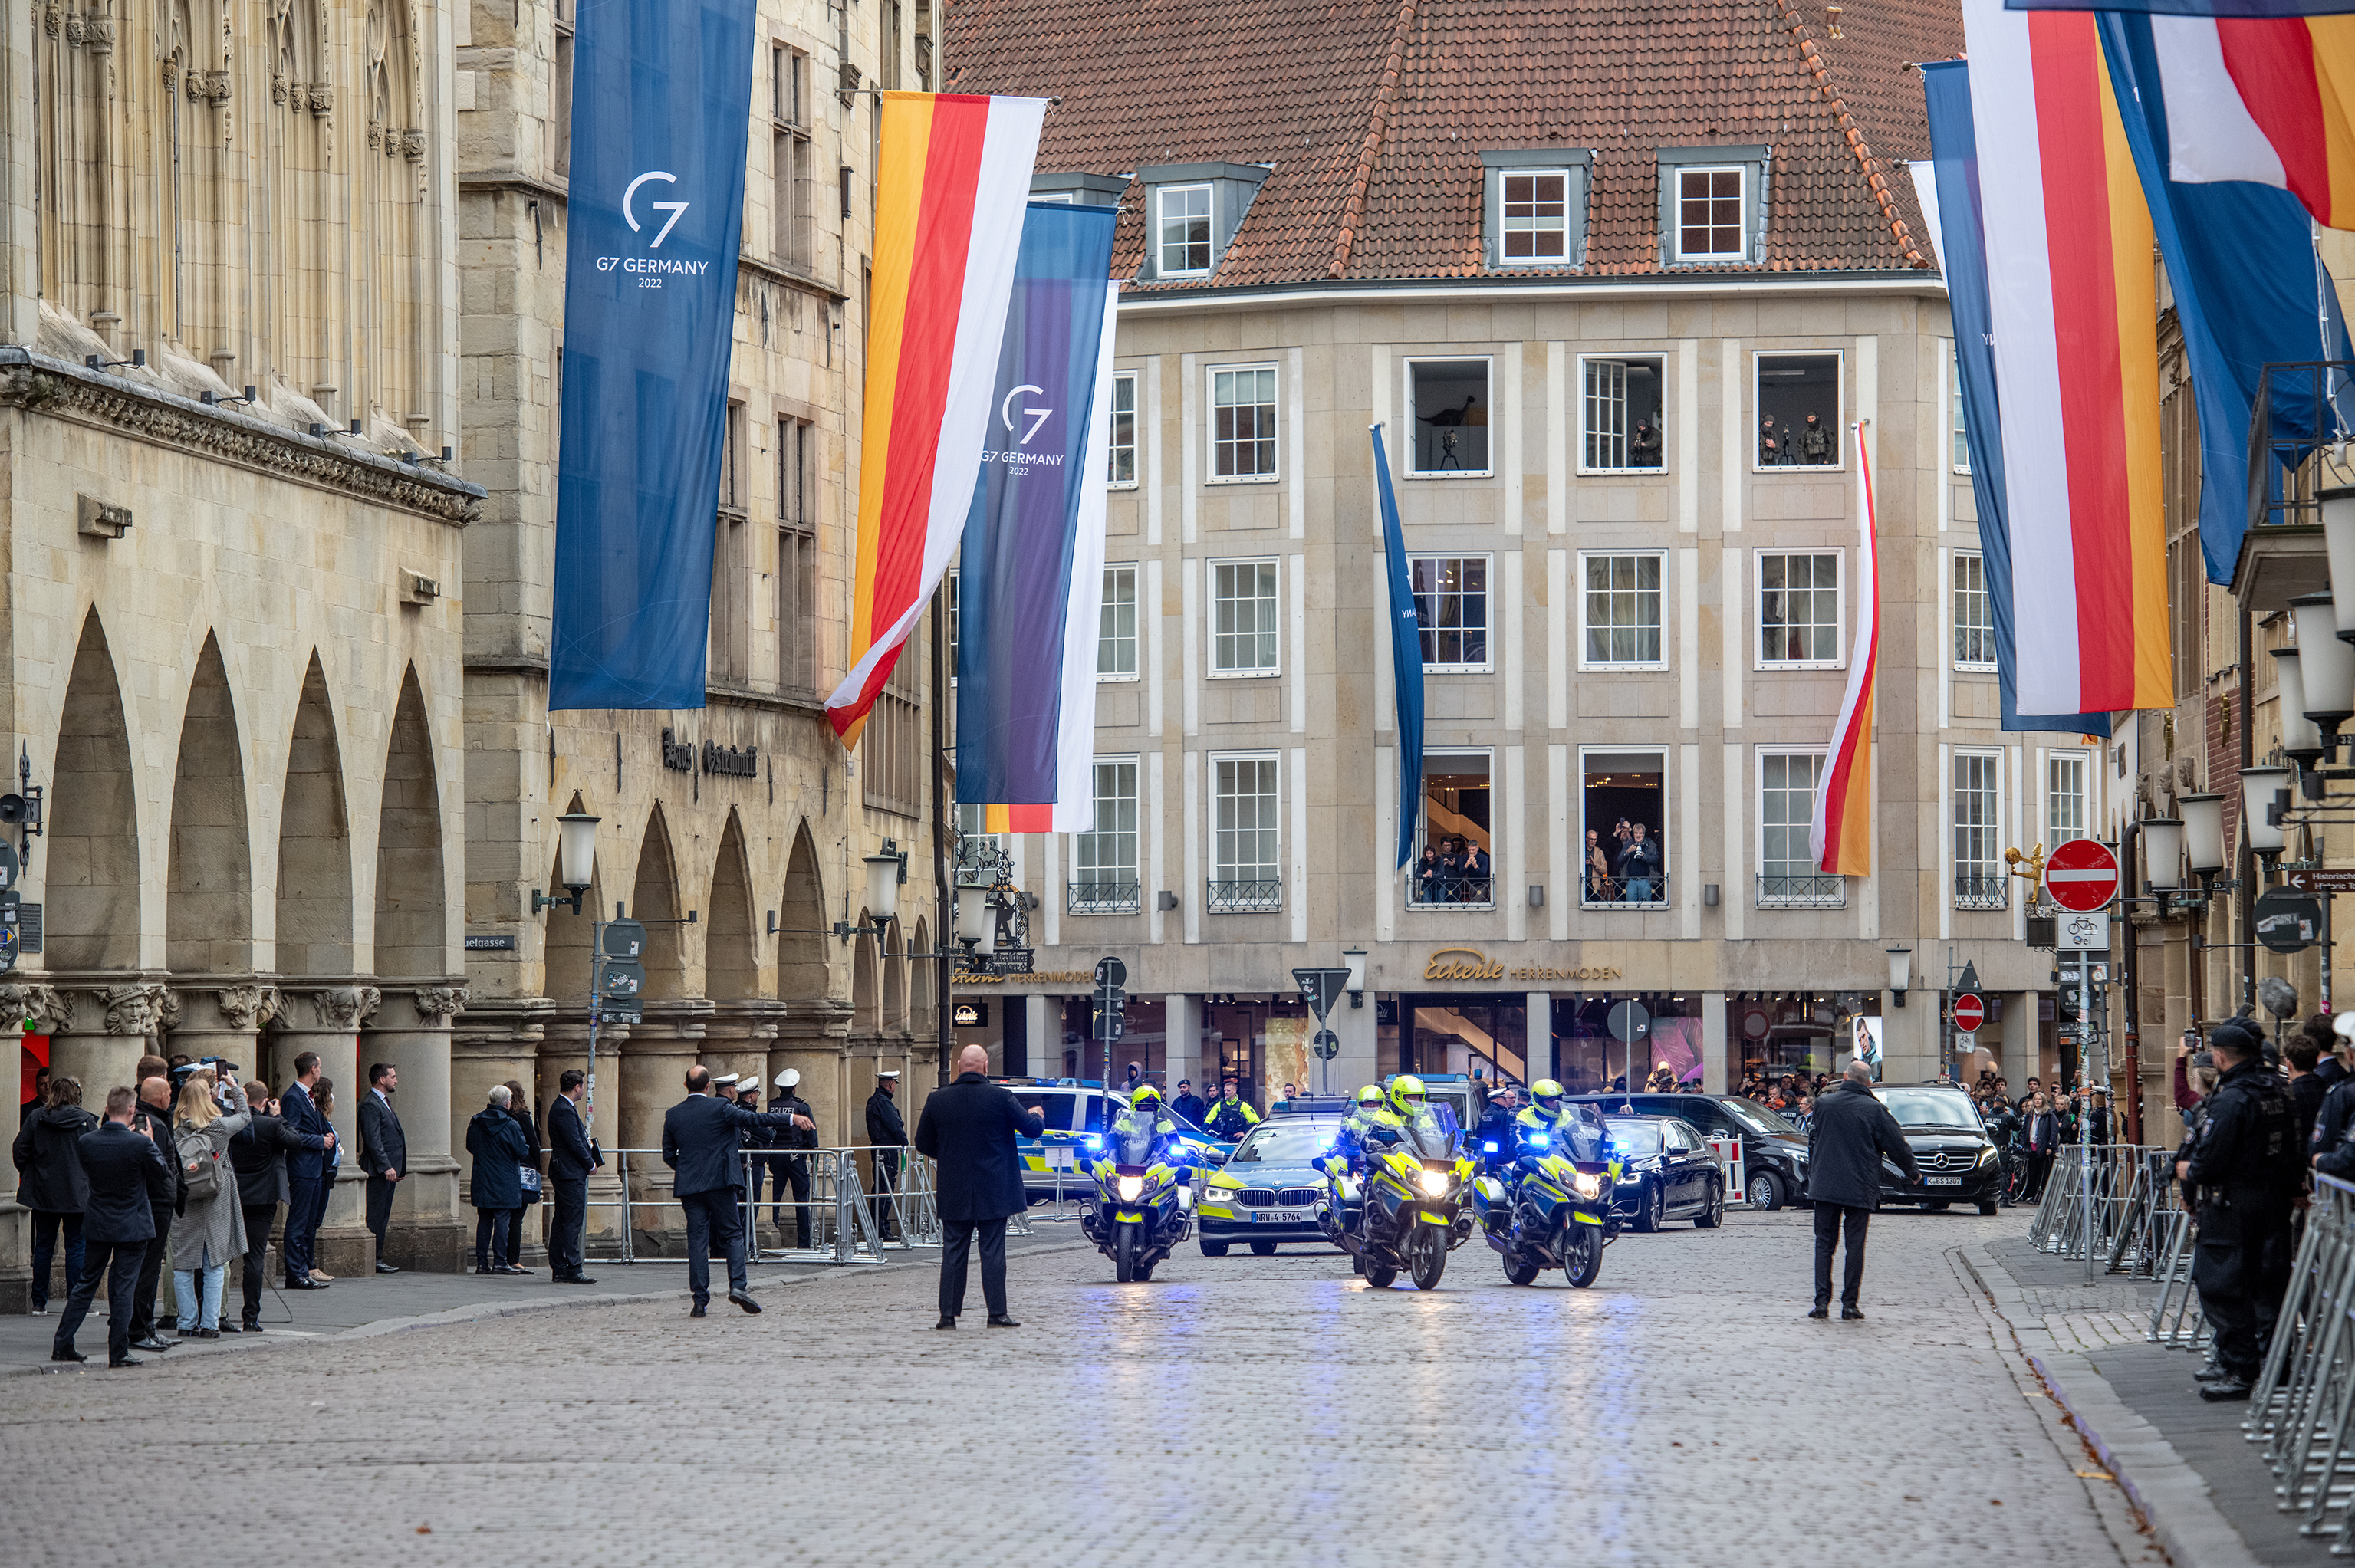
(664,92)
(1406,657)
(1022,538)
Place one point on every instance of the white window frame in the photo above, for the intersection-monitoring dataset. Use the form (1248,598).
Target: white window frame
(1667,816)
(1211,436)
(1489,593)
(1958,453)
(1487,363)
(1127,378)
(1161,218)
(2085,761)
(1979,562)
(1504,176)
(1578,397)
(1839,411)
(1135,834)
(1993,865)
(1487,756)
(1839,607)
(1740,252)
(1579,590)
(1219,871)
(952,623)
(1128,570)
(1267,672)
(1764,868)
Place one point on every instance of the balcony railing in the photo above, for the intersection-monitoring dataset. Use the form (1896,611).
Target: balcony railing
(1441,890)
(2284,486)
(1246,896)
(1624,893)
(1810,891)
(1106,898)
(1982,889)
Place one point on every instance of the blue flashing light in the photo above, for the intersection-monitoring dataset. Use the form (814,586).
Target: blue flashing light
(1094,1141)
(1539,1140)
(1488,1148)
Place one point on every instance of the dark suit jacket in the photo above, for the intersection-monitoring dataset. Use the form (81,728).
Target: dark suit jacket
(572,1152)
(496,1141)
(970,1127)
(699,1142)
(383,1145)
(886,1128)
(258,1155)
(130,1179)
(174,1197)
(308,1163)
(1846,1142)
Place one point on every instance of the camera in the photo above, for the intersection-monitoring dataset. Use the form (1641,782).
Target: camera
(218,1064)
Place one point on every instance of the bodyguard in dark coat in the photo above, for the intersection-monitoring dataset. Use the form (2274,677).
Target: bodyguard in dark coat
(50,1183)
(1851,1132)
(384,1153)
(128,1179)
(970,1128)
(572,1154)
(700,1143)
(887,1131)
(258,1156)
(152,1115)
(2244,1173)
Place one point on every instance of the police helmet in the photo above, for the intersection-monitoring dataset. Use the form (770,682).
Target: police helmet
(1406,1093)
(1371,1094)
(1143,1095)
(1546,1089)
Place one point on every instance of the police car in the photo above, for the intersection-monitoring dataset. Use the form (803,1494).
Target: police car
(1076,1111)
(1266,1193)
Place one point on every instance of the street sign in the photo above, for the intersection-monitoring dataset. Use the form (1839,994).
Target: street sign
(1629,1022)
(620,977)
(1971,980)
(2081,875)
(2288,921)
(1321,988)
(622,939)
(1112,973)
(2080,932)
(2320,881)
(1326,1045)
(1969,1012)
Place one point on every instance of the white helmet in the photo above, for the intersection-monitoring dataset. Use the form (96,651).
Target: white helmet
(789,1077)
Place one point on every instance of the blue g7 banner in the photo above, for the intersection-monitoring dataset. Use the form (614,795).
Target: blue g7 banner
(664,91)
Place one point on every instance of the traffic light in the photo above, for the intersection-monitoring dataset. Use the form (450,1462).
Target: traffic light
(2069,1003)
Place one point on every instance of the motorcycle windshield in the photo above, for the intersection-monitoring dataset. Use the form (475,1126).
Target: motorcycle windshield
(1580,1136)
(1131,1141)
(1430,1133)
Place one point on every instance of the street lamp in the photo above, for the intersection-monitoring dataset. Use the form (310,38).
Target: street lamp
(886,869)
(576,861)
(2338,542)
(2162,854)
(972,908)
(2326,668)
(1900,972)
(1356,959)
(2258,788)
(2203,833)
(2301,737)
(984,931)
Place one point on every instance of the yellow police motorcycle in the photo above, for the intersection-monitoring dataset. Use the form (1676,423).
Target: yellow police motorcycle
(1411,1212)
(1546,1202)
(1143,1204)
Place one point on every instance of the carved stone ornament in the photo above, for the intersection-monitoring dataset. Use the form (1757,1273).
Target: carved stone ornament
(277,88)
(98,33)
(247,1007)
(323,98)
(346,1006)
(215,83)
(44,1005)
(167,1010)
(171,71)
(436,1005)
(132,1009)
(412,145)
(50,21)
(75,32)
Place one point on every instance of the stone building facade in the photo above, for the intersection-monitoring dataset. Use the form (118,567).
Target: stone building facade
(738,833)
(229,649)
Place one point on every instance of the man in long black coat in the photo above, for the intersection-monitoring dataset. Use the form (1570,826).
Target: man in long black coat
(969,1128)
(1851,1132)
(130,1179)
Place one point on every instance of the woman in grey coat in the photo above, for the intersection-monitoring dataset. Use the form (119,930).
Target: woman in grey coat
(211,1229)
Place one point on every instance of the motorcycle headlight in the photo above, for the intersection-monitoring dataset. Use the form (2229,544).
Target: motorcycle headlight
(1588,1186)
(1132,1188)
(1434,1183)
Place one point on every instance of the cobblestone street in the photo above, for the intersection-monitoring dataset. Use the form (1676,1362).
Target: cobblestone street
(1244,1410)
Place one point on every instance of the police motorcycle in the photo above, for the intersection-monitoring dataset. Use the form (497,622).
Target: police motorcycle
(1144,1200)
(1409,1203)
(1543,1199)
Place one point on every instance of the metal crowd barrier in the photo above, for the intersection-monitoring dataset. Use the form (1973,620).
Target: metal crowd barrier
(2154,1203)
(2307,1387)
(845,1219)
(2065,1224)
(2175,1318)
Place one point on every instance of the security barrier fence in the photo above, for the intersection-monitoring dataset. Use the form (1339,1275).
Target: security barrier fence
(848,1223)
(2124,1189)
(2307,1392)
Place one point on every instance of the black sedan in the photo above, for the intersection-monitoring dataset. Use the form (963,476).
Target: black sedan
(1666,1172)
(1774,1152)
(1959,1163)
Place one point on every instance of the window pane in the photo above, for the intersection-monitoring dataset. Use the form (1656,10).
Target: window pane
(1974,614)
(1242,424)
(1787,796)
(1454,864)
(1116,627)
(1108,854)
(1186,228)
(1978,814)
(1242,615)
(1244,820)
(1798,608)
(1798,410)
(1450,404)
(1124,429)
(1623,609)
(2064,797)
(1535,222)
(1450,605)
(1709,213)
(1962,446)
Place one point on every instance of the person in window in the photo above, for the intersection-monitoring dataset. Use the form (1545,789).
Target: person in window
(1471,875)
(1774,444)
(1451,872)
(1644,446)
(1598,869)
(1639,867)
(1428,886)
(1816,443)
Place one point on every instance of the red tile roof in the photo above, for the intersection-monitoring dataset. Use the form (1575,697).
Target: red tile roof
(1374,114)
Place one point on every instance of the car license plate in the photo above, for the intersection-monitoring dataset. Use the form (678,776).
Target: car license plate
(1278,1216)
(1941,1181)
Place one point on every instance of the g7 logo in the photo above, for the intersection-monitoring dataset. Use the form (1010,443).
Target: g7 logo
(675,208)
(1036,416)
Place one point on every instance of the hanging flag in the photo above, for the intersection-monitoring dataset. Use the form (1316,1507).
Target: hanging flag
(2073,310)
(2195,8)
(1030,575)
(2249,289)
(1839,835)
(1406,658)
(1951,204)
(656,203)
(951,186)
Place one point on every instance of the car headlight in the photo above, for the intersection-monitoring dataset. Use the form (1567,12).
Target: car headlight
(1434,1183)
(1218,1195)
(1588,1186)
(1132,1188)
(1987,1155)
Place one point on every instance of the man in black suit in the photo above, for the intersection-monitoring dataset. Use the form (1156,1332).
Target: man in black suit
(151,1117)
(700,1143)
(306,1169)
(572,1154)
(130,1177)
(258,1155)
(969,1129)
(887,1131)
(384,1152)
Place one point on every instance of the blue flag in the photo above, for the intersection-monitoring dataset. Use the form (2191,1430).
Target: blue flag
(2245,8)
(2249,292)
(664,90)
(1406,658)
(1962,252)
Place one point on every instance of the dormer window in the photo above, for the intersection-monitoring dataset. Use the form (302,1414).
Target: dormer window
(1183,224)
(1713,206)
(1709,214)
(1536,206)
(1536,216)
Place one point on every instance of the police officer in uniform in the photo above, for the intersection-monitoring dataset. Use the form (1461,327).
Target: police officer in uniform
(2244,1172)
(887,1131)
(1232,1116)
(791,1169)
(1492,1139)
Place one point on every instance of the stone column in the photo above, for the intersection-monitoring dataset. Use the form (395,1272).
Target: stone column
(410,1033)
(99,1031)
(19,1002)
(222,1018)
(653,1076)
(1717,1073)
(328,1020)
(1356,1065)
(1181,1042)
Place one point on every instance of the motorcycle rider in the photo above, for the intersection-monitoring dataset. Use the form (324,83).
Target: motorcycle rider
(1145,1112)
(1350,1145)
(1493,1136)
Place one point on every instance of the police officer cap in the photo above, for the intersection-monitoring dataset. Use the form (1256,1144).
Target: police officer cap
(894,1073)
(2235,1035)
(789,1077)
(726,1081)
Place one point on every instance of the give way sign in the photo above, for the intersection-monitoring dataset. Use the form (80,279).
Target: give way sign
(2082,876)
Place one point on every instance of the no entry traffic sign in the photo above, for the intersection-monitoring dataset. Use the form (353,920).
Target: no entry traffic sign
(1969,1012)
(2081,875)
